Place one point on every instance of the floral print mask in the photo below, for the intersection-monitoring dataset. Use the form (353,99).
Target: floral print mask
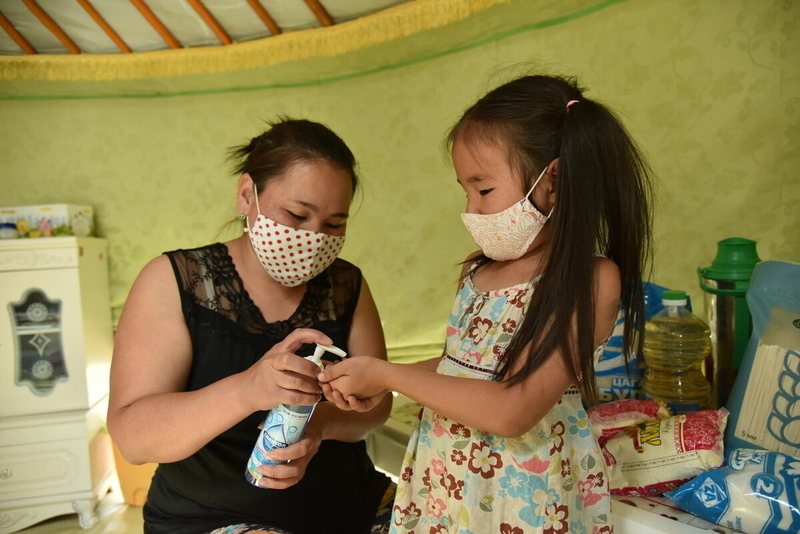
(507,234)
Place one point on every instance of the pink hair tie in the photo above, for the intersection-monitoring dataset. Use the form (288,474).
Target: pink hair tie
(570,103)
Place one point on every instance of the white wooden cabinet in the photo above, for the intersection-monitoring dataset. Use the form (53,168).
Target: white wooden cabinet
(55,352)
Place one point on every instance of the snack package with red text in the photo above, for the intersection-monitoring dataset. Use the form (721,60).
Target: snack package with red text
(653,457)
(609,418)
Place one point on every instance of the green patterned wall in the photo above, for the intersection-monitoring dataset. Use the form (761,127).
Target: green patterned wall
(710,88)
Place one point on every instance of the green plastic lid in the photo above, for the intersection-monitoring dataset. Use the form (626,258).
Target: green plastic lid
(673,297)
(736,259)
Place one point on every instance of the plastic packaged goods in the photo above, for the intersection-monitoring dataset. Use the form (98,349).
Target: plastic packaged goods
(50,220)
(757,492)
(609,418)
(284,425)
(656,456)
(765,401)
(676,345)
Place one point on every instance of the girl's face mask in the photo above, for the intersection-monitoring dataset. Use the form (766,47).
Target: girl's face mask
(291,256)
(507,234)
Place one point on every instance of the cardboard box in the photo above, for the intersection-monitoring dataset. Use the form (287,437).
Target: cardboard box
(134,480)
(48,220)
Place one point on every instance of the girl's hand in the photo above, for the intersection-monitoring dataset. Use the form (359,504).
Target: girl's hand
(282,377)
(298,455)
(351,403)
(357,377)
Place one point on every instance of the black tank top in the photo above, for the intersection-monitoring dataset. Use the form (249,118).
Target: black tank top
(341,489)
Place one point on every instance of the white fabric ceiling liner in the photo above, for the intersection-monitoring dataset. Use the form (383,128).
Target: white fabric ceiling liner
(236,17)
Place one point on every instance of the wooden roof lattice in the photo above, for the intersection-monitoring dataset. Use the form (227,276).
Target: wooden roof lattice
(130,26)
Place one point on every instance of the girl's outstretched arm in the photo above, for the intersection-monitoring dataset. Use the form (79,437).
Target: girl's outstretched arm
(339,419)
(484,404)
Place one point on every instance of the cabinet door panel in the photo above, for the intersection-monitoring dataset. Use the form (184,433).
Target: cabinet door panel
(52,333)
(39,469)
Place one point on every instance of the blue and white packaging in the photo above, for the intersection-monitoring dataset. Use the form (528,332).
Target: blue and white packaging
(756,492)
(765,401)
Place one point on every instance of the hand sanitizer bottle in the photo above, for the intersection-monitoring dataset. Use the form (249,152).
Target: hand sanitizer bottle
(284,424)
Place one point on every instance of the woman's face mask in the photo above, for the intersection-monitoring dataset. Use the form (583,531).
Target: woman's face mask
(291,256)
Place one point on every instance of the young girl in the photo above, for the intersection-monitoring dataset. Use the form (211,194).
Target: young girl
(557,201)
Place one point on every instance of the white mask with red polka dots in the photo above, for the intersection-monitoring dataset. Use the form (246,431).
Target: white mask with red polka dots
(291,256)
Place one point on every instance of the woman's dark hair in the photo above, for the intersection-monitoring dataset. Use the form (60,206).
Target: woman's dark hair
(289,141)
(602,206)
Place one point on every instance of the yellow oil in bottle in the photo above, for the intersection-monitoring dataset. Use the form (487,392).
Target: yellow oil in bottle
(676,344)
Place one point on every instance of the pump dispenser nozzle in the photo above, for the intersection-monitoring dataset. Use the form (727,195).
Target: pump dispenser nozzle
(322,349)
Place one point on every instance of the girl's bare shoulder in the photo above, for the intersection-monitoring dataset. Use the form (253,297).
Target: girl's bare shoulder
(607,278)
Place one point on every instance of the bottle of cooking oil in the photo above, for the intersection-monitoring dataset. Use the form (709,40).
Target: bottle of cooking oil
(676,344)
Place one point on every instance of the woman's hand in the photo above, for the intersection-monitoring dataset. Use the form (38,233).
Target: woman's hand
(357,377)
(298,455)
(282,377)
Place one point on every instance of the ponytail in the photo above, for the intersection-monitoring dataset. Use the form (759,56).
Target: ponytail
(239,155)
(604,176)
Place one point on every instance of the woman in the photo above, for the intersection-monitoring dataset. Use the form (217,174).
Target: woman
(206,345)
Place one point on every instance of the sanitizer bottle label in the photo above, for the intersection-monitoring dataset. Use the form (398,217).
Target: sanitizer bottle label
(283,426)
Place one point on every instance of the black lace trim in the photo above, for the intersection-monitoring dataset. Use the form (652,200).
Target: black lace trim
(214,297)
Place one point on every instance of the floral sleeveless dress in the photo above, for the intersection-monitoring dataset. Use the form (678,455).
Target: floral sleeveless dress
(460,480)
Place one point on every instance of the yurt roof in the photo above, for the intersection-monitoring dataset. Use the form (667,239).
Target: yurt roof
(153,48)
(133,26)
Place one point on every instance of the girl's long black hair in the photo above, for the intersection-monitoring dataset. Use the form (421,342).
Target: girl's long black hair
(603,193)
